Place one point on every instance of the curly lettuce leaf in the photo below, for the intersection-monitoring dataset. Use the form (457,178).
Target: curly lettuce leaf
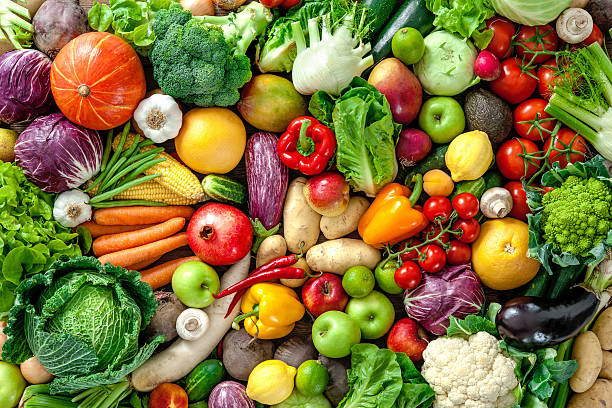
(466,18)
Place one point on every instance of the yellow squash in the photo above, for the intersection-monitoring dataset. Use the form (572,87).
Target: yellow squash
(271,382)
(469,155)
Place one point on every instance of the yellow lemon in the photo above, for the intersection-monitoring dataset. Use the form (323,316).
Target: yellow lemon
(271,382)
(499,255)
(469,155)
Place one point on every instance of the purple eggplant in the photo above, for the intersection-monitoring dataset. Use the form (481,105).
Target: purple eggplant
(267,180)
(531,322)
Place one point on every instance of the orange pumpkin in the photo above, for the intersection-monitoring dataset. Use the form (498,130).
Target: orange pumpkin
(97,80)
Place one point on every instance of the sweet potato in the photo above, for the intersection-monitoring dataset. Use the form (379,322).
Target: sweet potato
(347,222)
(300,222)
(587,352)
(337,255)
(598,396)
(603,329)
(270,248)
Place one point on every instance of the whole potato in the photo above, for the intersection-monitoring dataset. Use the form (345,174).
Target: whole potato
(270,248)
(296,283)
(603,329)
(587,352)
(338,255)
(347,222)
(606,367)
(598,396)
(300,222)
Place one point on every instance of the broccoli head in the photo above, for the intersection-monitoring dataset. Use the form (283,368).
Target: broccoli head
(577,216)
(202,62)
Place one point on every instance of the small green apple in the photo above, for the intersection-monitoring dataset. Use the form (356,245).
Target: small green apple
(374,314)
(12,385)
(334,333)
(442,118)
(194,283)
(358,281)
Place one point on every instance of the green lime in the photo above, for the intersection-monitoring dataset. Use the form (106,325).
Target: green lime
(358,281)
(311,378)
(408,45)
(385,277)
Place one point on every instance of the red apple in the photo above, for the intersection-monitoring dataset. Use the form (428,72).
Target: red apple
(408,337)
(323,294)
(220,234)
(327,193)
(168,395)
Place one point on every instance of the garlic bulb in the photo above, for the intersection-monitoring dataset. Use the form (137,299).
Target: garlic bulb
(159,117)
(72,208)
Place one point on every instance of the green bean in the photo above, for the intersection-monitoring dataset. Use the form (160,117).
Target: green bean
(148,153)
(114,158)
(110,173)
(133,166)
(122,188)
(140,170)
(127,203)
(107,149)
(130,150)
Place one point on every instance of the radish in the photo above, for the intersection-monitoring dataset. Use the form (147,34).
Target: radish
(413,145)
(487,66)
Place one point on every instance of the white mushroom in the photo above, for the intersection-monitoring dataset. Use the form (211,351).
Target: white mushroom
(192,324)
(574,25)
(496,202)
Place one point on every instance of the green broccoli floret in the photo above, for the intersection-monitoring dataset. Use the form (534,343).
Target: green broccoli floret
(577,215)
(201,59)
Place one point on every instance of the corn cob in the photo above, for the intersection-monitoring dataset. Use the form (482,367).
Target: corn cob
(174,176)
(152,191)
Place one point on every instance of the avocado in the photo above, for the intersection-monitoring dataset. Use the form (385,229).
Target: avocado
(486,112)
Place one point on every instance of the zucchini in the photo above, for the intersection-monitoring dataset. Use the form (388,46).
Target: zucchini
(224,189)
(200,382)
(381,10)
(476,187)
(412,13)
(434,160)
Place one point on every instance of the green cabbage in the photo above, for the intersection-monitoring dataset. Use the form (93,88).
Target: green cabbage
(530,12)
(81,320)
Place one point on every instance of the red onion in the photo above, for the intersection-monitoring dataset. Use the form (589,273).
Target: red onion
(413,145)
(487,66)
(229,394)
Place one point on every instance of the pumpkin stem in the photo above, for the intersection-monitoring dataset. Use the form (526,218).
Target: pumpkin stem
(84,90)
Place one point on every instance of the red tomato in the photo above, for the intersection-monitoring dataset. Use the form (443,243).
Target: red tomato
(595,36)
(466,205)
(408,276)
(548,77)
(435,259)
(271,3)
(520,209)
(432,231)
(503,31)
(458,253)
(563,139)
(531,122)
(547,189)
(412,254)
(514,85)
(538,38)
(437,206)
(510,164)
(470,228)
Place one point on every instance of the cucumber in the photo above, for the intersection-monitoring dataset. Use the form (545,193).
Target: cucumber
(381,10)
(224,189)
(412,13)
(538,285)
(434,160)
(476,187)
(200,382)
(492,179)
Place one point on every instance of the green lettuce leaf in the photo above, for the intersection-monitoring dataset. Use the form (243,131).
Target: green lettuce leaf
(473,324)
(466,18)
(416,392)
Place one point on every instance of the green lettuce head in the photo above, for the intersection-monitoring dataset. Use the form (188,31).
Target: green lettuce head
(82,321)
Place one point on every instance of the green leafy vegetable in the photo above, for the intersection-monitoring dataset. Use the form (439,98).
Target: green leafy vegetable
(365,132)
(473,324)
(30,239)
(299,400)
(529,12)
(466,18)
(15,24)
(81,320)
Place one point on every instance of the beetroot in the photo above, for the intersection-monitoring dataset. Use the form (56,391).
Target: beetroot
(413,145)
(56,23)
(487,66)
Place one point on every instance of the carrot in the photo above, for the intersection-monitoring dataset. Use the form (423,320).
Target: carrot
(97,230)
(117,242)
(161,275)
(131,256)
(140,214)
(143,264)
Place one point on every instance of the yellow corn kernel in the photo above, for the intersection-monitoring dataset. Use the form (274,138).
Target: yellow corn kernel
(152,191)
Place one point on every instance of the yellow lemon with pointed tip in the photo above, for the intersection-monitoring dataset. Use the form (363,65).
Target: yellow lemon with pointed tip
(499,255)
(469,155)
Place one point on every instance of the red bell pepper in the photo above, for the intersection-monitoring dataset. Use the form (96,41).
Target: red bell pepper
(307,146)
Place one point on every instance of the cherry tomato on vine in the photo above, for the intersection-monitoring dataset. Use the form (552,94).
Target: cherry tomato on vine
(538,38)
(531,122)
(412,254)
(547,189)
(437,206)
(548,77)
(271,3)
(595,36)
(432,231)
(435,259)
(466,205)
(408,276)
(520,209)
(510,164)
(458,253)
(514,85)
(470,228)
(563,139)
(503,31)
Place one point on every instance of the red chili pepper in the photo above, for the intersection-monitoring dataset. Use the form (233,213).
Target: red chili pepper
(307,145)
(267,275)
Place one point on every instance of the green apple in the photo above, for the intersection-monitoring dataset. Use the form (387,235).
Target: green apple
(334,333)
(194,283)
(12,385)
(374,314)
(358,281)
(385,277)
(442,118)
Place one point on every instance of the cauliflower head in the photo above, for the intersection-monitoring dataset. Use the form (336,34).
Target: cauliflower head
(470,373)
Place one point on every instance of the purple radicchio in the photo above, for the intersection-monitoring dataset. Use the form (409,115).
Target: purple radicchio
(454,291)
(58,155)
(229,394)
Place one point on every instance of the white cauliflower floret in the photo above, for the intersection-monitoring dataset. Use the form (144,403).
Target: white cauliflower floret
(472,373)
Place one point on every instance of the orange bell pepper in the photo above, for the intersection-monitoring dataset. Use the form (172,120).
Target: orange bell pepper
(391,218)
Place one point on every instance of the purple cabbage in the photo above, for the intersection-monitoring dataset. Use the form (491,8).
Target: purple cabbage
(25,85)
(454,291)
(229,394)
(57,155)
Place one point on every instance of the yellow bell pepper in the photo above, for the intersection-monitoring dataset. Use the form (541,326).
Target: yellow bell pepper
(391,219)
(270,310)
(271,382)
(469,155)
